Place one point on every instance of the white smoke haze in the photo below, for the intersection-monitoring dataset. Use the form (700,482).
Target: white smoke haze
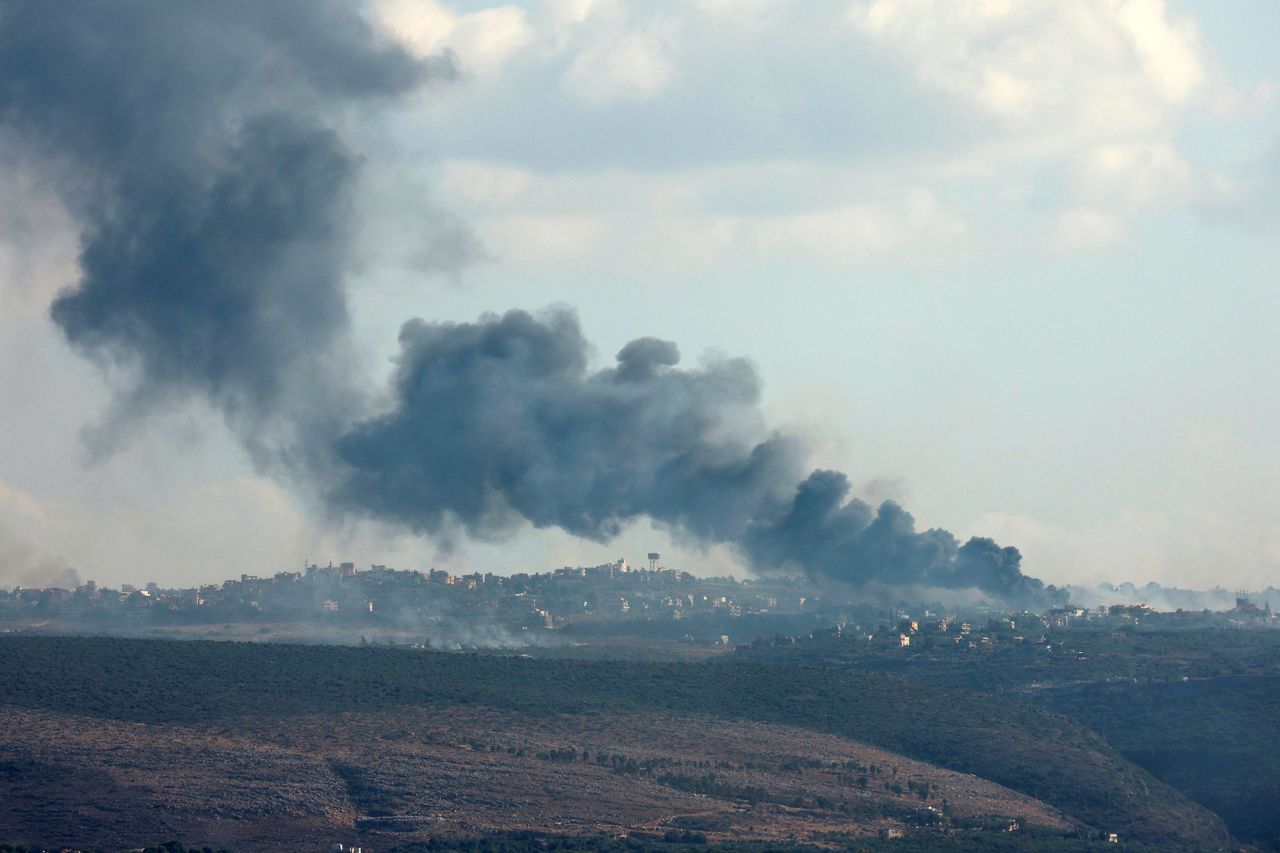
(436,625)
(37,238)
(22,561)
(1193,549)
(440,628)
(1167,599)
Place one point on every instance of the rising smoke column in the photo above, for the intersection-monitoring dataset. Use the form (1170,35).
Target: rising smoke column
(825,531)
(196,145)
(502,421)
(193,142)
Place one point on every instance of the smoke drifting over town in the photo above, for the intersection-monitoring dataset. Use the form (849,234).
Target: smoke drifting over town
(502,421)
(845,539)
(198,145)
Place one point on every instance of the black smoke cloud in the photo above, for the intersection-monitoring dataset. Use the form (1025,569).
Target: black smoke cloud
(197,145)
(502,421)
(823,529)
(194,143)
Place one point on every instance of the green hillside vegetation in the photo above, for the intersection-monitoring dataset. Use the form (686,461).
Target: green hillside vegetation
(1216,739)
(1032,750)
(1199,709)
(1077,655)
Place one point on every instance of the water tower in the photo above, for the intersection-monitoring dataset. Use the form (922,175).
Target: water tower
(653,560)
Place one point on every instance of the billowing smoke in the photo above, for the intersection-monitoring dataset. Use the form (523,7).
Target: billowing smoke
(193,142)
(824,530)
(197,145)
(502,421)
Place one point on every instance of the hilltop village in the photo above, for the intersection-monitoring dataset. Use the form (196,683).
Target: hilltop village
(498,609)
(568,604)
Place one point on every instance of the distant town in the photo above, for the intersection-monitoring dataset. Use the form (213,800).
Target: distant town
(582,604)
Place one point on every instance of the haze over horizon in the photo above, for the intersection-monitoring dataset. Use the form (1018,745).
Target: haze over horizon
(1036,312)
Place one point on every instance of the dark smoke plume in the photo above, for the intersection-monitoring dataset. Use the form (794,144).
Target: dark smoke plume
(502,421)
(847,540)
(193,142)
(196,144)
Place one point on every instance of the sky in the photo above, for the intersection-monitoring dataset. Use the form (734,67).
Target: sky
(1012,264)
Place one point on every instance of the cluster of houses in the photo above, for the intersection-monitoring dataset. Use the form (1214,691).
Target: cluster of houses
(343,592)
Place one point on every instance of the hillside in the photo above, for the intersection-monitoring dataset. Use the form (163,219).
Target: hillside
(1198,708)
(1030,750)
(410,773)
(1217,739)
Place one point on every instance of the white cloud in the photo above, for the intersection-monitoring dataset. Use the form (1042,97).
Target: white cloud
(1135,174)
(545,238)
(1110,185)
(1247,102)
(484,41)
(851,234)
(622,66)
(1094,91)
(475,184)
(569,12)
(1095,69)
(1083,100)
(1168,46)
(1082,228)
(610,54)
(679,222)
